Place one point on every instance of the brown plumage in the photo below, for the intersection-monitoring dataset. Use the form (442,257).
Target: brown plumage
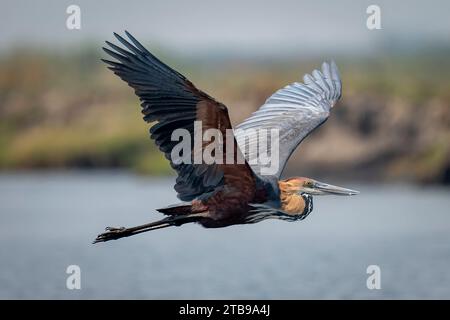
(224,192)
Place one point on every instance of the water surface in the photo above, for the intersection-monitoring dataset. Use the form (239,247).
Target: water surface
(47,222)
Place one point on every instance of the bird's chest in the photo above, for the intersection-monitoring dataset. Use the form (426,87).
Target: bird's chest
(293,204)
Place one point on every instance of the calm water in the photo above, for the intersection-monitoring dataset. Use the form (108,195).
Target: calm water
(47,222)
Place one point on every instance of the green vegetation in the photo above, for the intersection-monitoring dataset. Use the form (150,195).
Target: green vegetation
(67,111)
(61,110)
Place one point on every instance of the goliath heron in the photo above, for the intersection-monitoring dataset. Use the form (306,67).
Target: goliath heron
(222,194)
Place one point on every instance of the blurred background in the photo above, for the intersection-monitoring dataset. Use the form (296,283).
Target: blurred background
(75,154)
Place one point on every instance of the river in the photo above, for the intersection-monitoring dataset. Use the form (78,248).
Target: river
(48,221)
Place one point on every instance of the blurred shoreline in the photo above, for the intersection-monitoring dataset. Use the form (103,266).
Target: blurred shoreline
(66,110)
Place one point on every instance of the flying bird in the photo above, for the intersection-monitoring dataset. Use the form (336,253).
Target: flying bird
(225,193)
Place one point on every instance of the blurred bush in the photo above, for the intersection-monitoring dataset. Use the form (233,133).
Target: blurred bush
(64,110)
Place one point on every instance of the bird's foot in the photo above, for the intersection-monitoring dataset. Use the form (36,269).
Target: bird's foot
(111,234)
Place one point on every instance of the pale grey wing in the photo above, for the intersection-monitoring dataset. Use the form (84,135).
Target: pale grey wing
(291,113)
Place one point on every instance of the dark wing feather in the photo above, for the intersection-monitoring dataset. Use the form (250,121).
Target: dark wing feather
(173,102)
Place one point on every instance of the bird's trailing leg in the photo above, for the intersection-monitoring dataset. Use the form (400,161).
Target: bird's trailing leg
(117,233)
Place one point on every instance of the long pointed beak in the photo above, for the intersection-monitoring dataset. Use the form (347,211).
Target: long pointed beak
(325,188)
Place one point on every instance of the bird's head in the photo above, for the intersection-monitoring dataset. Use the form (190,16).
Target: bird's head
(310,186)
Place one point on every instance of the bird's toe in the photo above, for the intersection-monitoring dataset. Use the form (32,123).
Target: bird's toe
(113,229)
(110,234)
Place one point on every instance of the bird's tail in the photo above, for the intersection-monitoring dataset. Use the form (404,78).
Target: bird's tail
(177,209)
(117,233)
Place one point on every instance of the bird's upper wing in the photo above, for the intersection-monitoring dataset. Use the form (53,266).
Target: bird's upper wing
(173,102)
(293,112)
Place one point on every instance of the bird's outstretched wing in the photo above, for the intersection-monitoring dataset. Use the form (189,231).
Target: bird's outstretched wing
(293,112)
(173,102)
